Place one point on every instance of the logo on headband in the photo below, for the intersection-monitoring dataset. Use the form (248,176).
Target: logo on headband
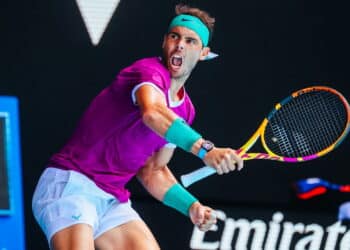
(185,20)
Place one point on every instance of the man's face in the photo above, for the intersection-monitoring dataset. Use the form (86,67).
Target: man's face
(182,48)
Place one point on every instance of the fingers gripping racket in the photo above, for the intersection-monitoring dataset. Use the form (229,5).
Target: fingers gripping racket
(306,125)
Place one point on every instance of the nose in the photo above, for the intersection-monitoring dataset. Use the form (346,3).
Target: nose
(180,45)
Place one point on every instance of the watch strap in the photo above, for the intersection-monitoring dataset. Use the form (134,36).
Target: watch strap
(201,153)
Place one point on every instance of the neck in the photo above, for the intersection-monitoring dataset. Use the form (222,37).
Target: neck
(176,89)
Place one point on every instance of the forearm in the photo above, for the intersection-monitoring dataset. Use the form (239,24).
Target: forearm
(158,118)
(167,125)
(163,121)
(162,185)
(156,182)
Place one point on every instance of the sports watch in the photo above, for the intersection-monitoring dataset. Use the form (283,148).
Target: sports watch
(205,148)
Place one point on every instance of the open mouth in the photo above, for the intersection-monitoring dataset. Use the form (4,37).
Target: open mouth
(176,61)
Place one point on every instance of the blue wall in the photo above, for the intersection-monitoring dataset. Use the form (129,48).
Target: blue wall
(12,219)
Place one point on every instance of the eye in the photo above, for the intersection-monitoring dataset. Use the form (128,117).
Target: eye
(191,41)
(173,36)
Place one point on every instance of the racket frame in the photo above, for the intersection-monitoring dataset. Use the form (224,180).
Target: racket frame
(206,171)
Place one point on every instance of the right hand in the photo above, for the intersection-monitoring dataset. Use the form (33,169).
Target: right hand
(224,160)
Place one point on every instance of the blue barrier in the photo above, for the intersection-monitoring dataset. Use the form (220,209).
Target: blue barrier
(12,235)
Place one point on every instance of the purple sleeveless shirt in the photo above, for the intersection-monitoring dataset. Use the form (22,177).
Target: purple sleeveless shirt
(111,143)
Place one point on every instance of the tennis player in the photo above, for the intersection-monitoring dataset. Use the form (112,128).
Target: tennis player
(131,129)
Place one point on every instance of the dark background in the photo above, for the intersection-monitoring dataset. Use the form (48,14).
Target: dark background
(267,49)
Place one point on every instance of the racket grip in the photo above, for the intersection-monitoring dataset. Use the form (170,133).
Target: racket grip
(197,175)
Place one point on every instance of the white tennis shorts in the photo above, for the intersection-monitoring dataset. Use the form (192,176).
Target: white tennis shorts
(63,198)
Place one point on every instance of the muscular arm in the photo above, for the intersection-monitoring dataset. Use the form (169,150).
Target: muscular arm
(157,179)
(158,117)
(155,113)
(155,176)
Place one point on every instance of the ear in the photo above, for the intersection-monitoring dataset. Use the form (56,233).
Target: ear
(204,53)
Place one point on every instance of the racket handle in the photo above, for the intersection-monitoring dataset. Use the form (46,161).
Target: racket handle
(197,175)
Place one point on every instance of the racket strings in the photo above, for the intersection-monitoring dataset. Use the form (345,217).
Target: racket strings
(306,124)
(324,124)
(331,126)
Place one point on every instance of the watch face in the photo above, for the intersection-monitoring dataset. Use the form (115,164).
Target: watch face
(207,145)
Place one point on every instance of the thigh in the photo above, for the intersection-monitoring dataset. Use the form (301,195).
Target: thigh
(77,237)
(59,202)
(129,236)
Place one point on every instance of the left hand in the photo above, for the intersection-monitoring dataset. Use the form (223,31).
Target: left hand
(202,216)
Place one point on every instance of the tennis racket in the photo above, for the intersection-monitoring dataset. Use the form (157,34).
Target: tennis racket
(306,125)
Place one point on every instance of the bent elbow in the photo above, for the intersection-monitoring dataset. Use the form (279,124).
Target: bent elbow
(150,117)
